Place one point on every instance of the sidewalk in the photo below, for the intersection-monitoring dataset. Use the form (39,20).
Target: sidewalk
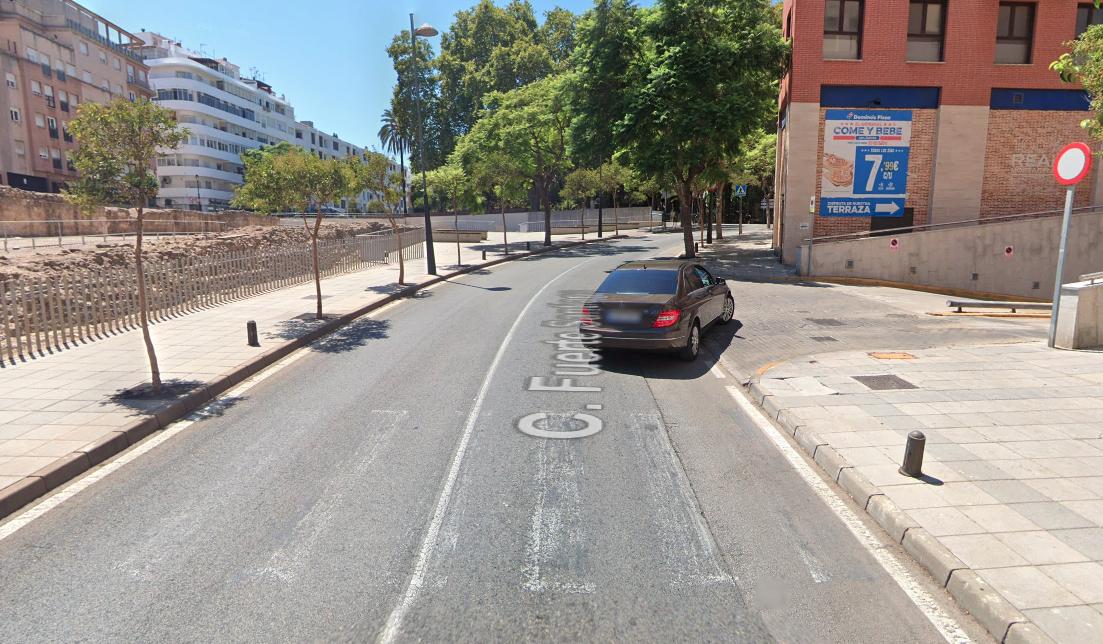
(1014,469)
(54,406)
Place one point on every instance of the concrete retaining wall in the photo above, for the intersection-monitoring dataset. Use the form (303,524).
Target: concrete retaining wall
(971,258)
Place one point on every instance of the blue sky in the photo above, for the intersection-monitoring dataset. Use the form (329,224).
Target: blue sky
(328,59)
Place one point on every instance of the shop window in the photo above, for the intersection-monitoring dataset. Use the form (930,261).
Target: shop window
(842,29)
(1014,33)
(925,26)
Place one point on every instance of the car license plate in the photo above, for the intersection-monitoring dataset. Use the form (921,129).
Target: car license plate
(622,317)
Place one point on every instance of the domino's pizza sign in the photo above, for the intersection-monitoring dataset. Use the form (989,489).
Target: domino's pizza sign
(865,163)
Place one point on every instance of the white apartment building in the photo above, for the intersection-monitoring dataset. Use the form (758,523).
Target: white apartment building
(227,114)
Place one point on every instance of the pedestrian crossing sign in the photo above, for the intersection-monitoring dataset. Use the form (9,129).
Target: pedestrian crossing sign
(740,191)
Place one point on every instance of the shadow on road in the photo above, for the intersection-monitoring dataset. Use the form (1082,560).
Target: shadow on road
(659,365)
(353,336)
(143,400)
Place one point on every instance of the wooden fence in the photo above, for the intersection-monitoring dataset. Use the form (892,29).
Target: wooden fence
(40,315)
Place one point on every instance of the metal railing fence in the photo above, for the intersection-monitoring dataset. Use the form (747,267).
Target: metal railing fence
(43,314)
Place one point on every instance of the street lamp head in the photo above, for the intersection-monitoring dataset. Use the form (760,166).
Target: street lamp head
(425,31)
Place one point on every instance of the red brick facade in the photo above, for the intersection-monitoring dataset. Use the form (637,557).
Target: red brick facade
(1018,168)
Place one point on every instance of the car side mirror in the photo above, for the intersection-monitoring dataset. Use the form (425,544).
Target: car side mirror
(721,280)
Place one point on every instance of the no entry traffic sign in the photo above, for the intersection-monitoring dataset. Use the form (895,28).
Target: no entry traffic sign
(894,244)
(1072,164)
(1009,251)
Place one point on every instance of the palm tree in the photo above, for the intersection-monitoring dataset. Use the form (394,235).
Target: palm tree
(392,134)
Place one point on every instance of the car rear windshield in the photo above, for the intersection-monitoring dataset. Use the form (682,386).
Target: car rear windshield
(640,282)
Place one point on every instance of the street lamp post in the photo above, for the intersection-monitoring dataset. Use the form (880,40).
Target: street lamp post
(430,256)
(198,197)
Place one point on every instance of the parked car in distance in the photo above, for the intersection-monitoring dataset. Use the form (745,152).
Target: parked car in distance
(657,305)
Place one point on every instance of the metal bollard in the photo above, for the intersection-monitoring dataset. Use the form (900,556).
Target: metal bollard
(913,455)
(696,247)
(251,330)
(528,245)
(484,254)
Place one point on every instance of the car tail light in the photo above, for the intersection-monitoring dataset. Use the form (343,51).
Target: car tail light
(587,318)
(666,318)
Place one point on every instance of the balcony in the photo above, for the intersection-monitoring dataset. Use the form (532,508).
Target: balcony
(57,164)
(65,106)
(50,102)
(53,133)
(88,33)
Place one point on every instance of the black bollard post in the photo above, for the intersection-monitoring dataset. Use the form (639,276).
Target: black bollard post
(528,245)
(696,248)
(913,455)
(251,331)
(484,254)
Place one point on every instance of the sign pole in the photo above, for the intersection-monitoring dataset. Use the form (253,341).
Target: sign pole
(741,215)
(1069,195)
(1070,166)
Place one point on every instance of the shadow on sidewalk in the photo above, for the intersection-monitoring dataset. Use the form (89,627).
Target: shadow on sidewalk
(143,400)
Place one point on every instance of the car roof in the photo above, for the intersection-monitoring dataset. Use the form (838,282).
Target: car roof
(657,264)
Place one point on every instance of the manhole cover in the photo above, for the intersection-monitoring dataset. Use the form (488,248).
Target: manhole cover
(824,338)
(825,321)
(883,383)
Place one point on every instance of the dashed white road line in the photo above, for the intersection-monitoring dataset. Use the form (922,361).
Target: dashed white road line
(715,370)
(945,624)
(429,541)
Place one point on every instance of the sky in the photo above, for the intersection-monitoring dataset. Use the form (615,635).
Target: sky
(327,56)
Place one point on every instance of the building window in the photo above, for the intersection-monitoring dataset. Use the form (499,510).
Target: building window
(117,63)
(52,122)
(925,25)
(1014,33)
(40,120)
(87,76)
(71,71)
(1086,16)
(32,55)
(36,88)
(842,29)
(15,115)
(103,58)
(20,148)
(105,85)
(336,146)
(84,48)
(11,80)
(43,152)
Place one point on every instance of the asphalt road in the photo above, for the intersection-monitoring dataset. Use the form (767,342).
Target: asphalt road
(380,489)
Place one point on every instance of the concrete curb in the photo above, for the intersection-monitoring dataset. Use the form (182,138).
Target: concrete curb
(19,494)
(996,614)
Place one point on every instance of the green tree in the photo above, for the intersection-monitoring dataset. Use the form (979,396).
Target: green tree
(395,135)
(494,172)
(437,142)
(118,144)
(580,184)
(490,49)
(707,76)
(292,180)
(530,125)
(608,48)
(612,176)
(756,163)
(450,180)
(375,175)
(1084,65)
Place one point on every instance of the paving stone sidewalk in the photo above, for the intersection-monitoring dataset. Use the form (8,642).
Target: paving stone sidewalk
(1014,461)
(56,404)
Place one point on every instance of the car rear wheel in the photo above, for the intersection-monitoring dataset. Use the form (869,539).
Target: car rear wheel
(693,344)
(729,310)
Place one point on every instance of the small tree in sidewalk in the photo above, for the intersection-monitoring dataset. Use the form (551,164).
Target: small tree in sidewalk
(376,176)
(118,146)
(293,179)
(450,180)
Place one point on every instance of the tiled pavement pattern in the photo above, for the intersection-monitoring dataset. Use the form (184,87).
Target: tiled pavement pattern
(56,404)
(1014,459)
(746,256)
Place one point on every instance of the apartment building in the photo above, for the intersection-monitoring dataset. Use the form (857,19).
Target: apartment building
(912,112)
(227,113)
(56,54)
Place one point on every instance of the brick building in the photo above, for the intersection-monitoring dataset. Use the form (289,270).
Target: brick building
(970,79)
(55,55)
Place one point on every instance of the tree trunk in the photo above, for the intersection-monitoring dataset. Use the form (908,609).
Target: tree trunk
(722,210)
(685,209)
(456,225)
(547,214)
(143,305)
(505,233)
(583,218)
(616,214)
(701,215)
(314,252)
(401,263)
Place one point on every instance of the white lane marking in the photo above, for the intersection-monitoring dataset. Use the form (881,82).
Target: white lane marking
(103,471)
(428,543)
(945,624)
(715,370)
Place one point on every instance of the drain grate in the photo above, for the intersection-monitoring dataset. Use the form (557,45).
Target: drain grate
(824,338)
(825,321)
(884,383)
